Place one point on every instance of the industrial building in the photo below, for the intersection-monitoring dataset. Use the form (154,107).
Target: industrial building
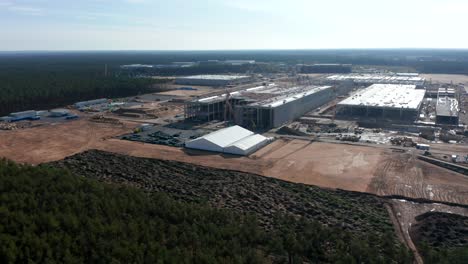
(383,102)
(367,79)
(232,140)
(213,80)
(59,112)
(447,109)
(325,68)
(20,116)
(262,107)
(84,104)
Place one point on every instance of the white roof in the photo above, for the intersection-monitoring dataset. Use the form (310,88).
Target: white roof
(233,140)
(296,96)
(248,142)
(215,77)
(388,96)
(379,78)
(221,138)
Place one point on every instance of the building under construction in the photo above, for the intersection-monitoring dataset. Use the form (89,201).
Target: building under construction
(262,107)
(447,110)
(393,102)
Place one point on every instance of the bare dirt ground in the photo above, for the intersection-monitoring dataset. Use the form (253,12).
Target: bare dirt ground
(403,174)
(326,165)
(348,167)
(447,78)
(54,142)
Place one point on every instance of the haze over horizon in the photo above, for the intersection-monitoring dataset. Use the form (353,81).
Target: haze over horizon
(227,25)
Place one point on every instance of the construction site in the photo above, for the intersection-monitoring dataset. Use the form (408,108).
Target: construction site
(262,107)
(334,131)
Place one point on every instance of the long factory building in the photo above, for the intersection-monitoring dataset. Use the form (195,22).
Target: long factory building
(262,107)
(394,102)
(213,80)
(368,79)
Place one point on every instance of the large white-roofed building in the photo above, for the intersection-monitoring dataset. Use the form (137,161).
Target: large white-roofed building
(383,101)
(368,79)
(262,107)
(232,140)
(213,80)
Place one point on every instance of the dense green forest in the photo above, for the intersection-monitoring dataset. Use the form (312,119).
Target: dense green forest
(441,237)
(51,216)
(41,85)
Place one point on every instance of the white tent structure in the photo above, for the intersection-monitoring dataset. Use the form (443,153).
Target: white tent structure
(232,140)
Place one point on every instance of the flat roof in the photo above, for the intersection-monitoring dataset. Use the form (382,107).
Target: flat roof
(248,142)
(215,77)
(383,78)
(298,94)
(271,95)
(447,106)
(387,96)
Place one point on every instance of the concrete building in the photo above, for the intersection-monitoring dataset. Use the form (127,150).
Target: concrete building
(262,107)
(383,102)
(367,79)
(447,109)
(83,104)
(213,80)
(19,116)
(277,111)
(59,112)
(232,140)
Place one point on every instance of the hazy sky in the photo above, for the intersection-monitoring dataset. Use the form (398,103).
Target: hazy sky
(231,24)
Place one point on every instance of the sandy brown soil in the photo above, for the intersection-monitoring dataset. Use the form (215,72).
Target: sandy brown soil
(327,165)
(54,142)
(356,168)
(405,175)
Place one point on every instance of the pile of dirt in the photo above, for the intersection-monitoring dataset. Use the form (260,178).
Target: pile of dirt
(440,230)
(266,197)
(106,120)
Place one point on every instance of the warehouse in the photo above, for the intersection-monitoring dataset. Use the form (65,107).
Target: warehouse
(232,140)
(19,116)
(284,108)
(447,109)
(262,107)
(213,80)
(367,79)
(84,104)
(383,101)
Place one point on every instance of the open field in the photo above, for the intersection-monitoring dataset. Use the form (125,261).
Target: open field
(322,164)
(54,142)
(358,168)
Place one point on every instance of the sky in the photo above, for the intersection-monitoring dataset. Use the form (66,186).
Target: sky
(231,24)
